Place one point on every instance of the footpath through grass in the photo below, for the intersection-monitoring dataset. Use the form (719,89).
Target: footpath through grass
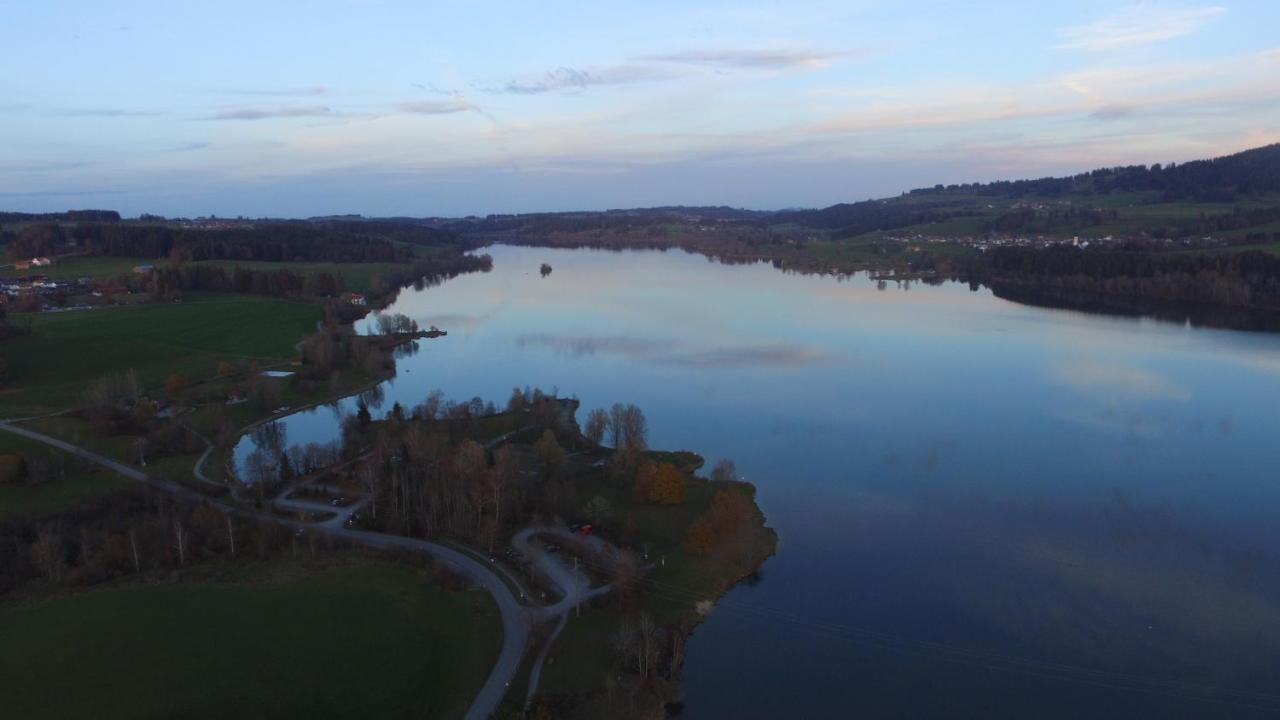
(49,368)
(367,640)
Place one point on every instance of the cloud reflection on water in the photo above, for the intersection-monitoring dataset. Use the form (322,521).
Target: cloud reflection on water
(1091,376)
(662,351)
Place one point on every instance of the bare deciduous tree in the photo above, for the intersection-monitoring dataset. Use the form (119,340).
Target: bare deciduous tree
(724,471)
(628,427)
(180,541)
(597,424)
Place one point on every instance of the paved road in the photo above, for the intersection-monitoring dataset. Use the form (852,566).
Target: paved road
(575,588)
(516,621)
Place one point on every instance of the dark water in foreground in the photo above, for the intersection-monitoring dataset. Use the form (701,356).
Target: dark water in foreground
(985,509)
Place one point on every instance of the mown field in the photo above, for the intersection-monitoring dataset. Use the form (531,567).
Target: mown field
(48,369)
(360,640)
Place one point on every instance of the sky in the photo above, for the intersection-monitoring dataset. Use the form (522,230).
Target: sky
(400,107)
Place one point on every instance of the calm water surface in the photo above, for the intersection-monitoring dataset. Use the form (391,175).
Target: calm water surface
(985,509)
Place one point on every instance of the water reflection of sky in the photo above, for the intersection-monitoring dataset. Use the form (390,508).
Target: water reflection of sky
(942,466)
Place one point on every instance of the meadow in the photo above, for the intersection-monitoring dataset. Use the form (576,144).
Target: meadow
(359,640)
(48,369)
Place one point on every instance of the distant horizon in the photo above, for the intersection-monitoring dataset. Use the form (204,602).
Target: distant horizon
(292,110)
(621,208)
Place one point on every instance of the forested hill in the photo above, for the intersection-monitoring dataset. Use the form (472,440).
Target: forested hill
(1232,193)
(1223,179)
(67,216)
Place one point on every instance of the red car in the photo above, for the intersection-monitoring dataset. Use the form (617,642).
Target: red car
(585,530)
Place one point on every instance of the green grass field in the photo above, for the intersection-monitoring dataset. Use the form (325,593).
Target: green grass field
(48,370)
(58,495)
(356,276)
(21,501)
(368,640)
(82,266)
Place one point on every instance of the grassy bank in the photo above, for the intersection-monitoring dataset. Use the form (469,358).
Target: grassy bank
(368,640)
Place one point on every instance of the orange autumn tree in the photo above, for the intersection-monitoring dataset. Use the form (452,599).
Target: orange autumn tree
(669,486)
(646,480)
(729,512)
(174,384)
(701,537)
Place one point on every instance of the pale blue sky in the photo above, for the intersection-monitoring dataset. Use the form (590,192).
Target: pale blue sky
(424,108)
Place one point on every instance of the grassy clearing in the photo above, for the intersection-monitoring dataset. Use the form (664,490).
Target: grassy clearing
(49,368)
(23,501)
(582,659)
(367,640)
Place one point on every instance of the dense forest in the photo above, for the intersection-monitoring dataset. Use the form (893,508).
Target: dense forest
(7,218)
(297,241)
(1223,179)
(851,219)
(606,221)
(168,280)
(1246,280)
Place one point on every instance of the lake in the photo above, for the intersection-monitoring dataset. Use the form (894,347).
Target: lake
(985,509)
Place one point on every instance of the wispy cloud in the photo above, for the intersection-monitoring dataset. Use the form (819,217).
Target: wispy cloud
(59,193)
(47,166)
(1141,24)
(1113,112)
(260,113)
(569,79)
(106,112)
(305,91)
(436,107)
(754,59)
(1104,92)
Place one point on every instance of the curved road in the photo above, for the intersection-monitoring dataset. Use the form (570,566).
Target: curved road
(516,621)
